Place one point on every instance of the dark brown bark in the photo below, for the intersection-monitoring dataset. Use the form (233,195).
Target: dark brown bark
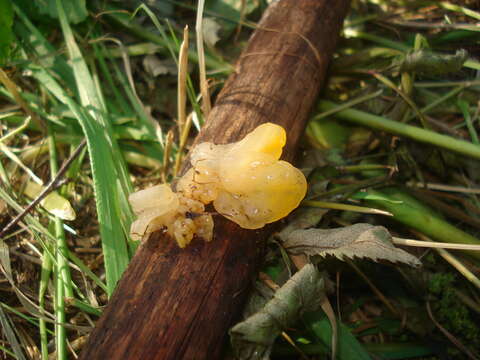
(178,304)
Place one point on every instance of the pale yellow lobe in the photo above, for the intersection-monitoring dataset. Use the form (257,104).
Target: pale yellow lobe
(195,186)
(267,138)
(245,181)
(263,195)
(159,198)
(159,208)
(154,207)
(253,187)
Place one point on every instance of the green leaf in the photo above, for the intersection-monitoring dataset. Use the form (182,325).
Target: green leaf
(363,195)
(253,338)
(231,10)
(328,134)
(400,350)
(359,240)
(46,55)
(348,347)
(6,35)
(75,10)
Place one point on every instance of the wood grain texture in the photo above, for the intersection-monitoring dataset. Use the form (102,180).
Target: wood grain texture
(179,304)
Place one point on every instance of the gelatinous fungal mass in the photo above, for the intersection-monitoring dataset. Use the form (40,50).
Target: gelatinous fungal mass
(246,182)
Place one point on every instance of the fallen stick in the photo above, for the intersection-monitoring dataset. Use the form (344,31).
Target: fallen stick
(179,304)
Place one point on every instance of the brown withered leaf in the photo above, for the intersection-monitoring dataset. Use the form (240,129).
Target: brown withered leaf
(253,338)
(359,240)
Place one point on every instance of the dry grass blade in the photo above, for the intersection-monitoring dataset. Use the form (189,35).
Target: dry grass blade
(166,155)
(15,159)
(183,124)
(328,310)
(346,207)
(452,260)
(206,104)
(434,244)
(448,188)
(182,82)
(18,130)
(10,85)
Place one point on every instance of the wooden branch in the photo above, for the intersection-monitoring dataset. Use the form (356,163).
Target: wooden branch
(179,304)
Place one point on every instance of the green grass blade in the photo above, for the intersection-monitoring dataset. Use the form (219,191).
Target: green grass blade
(348,346)
(60,317)
(46,54)
(463,105)
(413,132)
(414,214)
(137,107)
(44,278)
(85,269)
(63,277)
(108,207)
(5,322)
(62,247)
(8,331)
(110,176)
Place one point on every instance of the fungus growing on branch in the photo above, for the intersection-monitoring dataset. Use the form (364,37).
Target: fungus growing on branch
(246,182)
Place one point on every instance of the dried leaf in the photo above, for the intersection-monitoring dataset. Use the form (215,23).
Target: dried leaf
(260,295)
(253,338)
(54,203)
(210,31)
(303,218)
(155,66)
(426,62)
(359,240)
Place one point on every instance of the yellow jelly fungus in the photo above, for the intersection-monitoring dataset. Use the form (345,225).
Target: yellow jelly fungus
(159,208)
(246,182)
(152,206)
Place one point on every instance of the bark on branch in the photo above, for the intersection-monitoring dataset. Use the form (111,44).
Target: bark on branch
(179,304)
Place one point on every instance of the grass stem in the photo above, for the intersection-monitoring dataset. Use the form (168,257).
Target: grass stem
(397,128)
(345,207)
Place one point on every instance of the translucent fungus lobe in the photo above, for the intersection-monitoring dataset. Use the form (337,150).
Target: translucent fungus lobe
(159,208)
(252,186)
(246,182)
(154,207)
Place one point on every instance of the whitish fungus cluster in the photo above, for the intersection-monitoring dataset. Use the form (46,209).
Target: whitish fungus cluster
(246,182)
